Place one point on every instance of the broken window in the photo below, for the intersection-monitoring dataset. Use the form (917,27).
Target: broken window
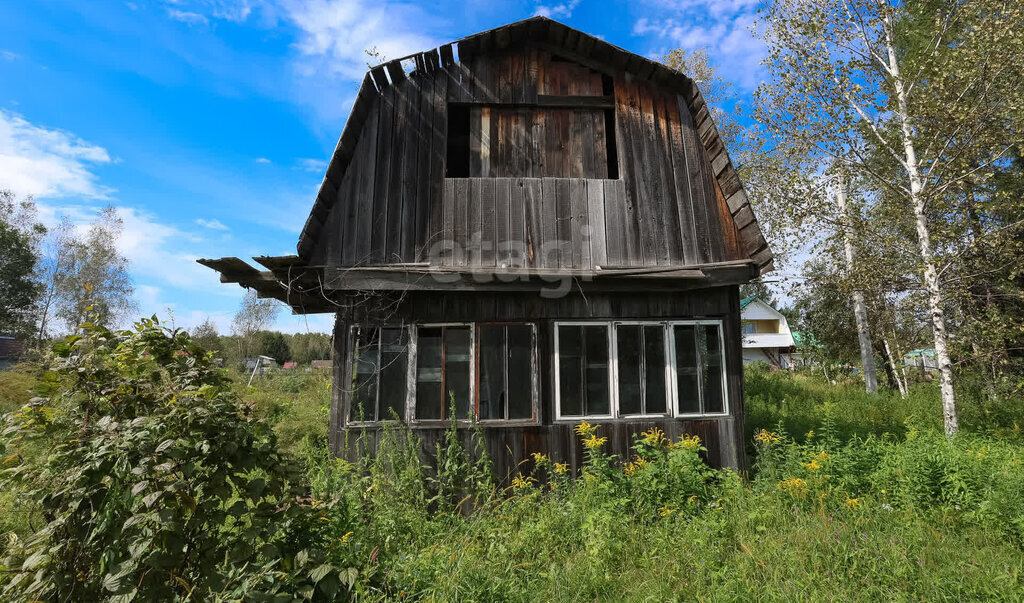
(380,359)
(699,368)
(506,371)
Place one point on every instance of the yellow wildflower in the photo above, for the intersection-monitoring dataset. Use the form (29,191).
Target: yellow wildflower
(519,482)
(810,434)
(665,511)
(767,437)
(654,437)
(693,498)
(561,468)
(814,465)
(594,442)
(635,466)
(589,477)
(344,539)
(852,503)
(585,430)
(539,458)
(794,486)
(553,485)
(689,442)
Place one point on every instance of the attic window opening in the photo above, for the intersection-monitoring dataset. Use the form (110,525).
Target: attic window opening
(457,161)
(569,137)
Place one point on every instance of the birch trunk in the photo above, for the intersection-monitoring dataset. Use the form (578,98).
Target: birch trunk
(895,368)
(860,310)
(917,199)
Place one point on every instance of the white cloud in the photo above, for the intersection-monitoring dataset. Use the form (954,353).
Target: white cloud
(48,163)
(262,160)
(7,55)
(187,17)
(563,11)
(211,224)
(311,165)
(722,26)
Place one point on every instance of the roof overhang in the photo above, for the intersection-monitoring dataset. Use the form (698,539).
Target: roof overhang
(316,289)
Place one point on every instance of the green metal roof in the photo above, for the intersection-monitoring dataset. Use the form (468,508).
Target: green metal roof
(746,302)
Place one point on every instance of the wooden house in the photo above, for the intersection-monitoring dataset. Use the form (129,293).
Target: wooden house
(539,226)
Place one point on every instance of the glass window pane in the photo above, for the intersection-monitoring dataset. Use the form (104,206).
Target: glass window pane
(520,371)
(654,365)
(629,361)
(364,374)
(570,370)
(491,347)
(686,369)
(456,369)
(394,360)
(709,345)
(429,396)
(595,345)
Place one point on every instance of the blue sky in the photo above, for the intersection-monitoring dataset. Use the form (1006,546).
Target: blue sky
(208,123)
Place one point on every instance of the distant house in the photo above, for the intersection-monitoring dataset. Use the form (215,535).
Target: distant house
(11,350)
(806,347)
(290,365)
(766,334)
(322,365)
(923,358)
(259,364)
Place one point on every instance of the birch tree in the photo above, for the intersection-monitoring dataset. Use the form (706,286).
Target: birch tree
(927,83)
(860,308)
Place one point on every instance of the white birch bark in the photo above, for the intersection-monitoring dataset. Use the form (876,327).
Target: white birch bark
(895,368)
(860,310)
(917,199)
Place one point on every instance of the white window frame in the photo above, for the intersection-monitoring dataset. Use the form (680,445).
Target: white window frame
(675,377)
(534,376)
(671,378)
(668,355)
(612,390)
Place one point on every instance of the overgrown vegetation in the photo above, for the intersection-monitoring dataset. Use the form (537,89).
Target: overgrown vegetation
(140,472)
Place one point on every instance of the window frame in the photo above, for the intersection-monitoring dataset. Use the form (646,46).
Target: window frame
(534,375)
(613,391)
(670,325)
(350,367)
(668,351)
(671,376)
(410,400)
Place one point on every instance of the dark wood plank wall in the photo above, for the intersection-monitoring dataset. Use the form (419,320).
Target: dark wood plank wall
(509,445)
(395,205)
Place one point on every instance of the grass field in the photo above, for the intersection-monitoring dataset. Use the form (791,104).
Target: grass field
(850,497)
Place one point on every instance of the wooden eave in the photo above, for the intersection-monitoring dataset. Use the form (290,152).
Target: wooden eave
(314,289)
(571,44)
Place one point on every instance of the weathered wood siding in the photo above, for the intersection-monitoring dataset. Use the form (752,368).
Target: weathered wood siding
(665,207)
(508,445)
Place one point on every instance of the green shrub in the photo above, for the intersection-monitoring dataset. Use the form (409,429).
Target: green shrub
(156,485)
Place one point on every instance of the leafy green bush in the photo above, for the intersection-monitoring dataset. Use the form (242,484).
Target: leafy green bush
(156,486)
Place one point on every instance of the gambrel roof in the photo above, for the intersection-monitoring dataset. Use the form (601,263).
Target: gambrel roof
(574,45)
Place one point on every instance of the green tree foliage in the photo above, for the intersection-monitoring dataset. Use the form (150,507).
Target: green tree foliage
(80,269)
(205,336)
(19,258)
(275,345)
(254,315)
(306,347)
(155,485)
